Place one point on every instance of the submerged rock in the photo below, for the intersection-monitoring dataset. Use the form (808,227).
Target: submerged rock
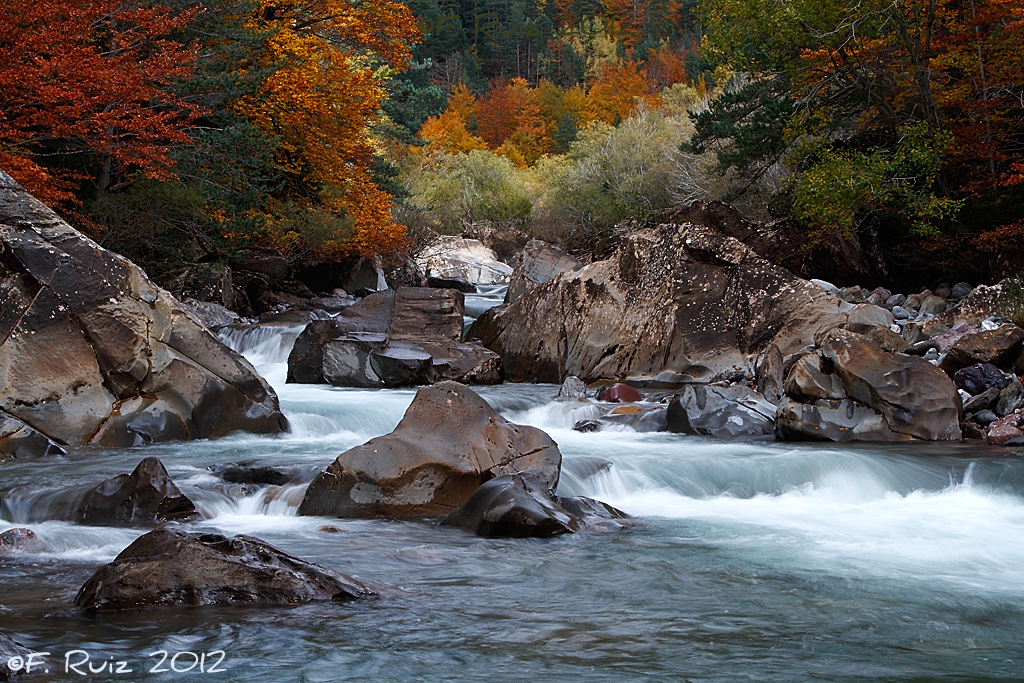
(147,495)
(521,506)
(448,443)
(19,539)
(91,351)
(169,567)
(9,651)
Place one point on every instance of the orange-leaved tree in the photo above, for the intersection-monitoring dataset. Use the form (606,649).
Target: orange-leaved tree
(84,92)
(511,110)
(620,91)
(331,57)
(449,130)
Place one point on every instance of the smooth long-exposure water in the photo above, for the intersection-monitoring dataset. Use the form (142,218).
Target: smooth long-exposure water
(753,561)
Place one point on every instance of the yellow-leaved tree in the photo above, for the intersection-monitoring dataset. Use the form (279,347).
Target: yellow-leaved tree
(328,60)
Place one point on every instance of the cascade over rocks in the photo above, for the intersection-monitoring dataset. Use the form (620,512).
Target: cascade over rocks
(393,338)
(678,303)
(171,567)
(521,506)
(147,495)
(92,352)
(449,442)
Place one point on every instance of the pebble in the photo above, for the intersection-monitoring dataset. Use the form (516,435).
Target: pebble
(900,313)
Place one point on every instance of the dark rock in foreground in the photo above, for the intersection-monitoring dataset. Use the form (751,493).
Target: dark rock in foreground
(92,352)
(449,442)
(147,495)
(167,567)
(395,338)
(521,506)
(9,649)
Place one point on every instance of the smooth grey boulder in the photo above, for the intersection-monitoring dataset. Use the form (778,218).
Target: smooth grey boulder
(449,442)
(9,649)
(572,387)
(520,506)
(92,352)
(171,567)
(146,496)
(537,263)
(711,410)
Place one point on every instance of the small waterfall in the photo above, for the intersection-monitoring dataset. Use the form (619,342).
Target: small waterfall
(262,344)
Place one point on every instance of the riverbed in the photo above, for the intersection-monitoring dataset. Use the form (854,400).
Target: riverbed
(751,560)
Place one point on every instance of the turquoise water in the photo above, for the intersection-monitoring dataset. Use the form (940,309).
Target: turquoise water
(753,561)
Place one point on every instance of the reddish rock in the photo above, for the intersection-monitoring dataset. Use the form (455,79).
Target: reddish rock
(1005,428)
(619,393)
(18,539)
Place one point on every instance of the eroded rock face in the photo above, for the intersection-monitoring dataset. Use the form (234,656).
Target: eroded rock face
(832,420)
(677,301)
(395,338)
(519,506)
(537,263)
(169,567)
(449,442)
(914,396)
(91,351)
(147,495)
(9,648)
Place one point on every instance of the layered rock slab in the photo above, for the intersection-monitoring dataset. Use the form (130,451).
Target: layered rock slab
(91,351)
(449,442)
(404,337)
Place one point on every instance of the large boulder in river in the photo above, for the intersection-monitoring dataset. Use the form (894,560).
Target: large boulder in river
(147,495)
(92,352)
(677,303)
(537,263)
(171,567)
(9,651)
(915,397)
(394,338)
(449,442)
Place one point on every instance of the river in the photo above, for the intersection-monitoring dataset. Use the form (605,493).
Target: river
(752,561)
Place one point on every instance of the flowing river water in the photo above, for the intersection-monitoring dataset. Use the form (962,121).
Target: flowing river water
(752,561)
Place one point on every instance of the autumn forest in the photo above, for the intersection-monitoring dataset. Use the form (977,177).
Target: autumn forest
(183,130)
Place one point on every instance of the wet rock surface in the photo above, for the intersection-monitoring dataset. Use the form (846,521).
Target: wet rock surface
(94,353)
(731,411)
(521,506)
(147,495)
(170,567)
(9,649)
(404,337)
(19,539)
(425,466)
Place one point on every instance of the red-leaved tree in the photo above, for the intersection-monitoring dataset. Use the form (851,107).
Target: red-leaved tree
(84,92)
